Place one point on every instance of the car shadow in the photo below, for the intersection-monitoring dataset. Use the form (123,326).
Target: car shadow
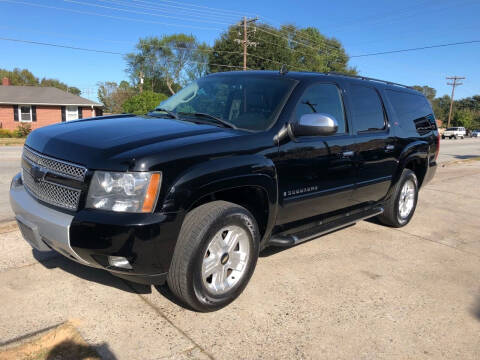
(52,260)
(71,350)
(465,157)
(476,309)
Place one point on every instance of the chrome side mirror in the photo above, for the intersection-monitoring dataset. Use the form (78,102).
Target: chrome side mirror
(316,124)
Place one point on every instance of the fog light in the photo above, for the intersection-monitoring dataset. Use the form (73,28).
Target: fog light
(119,261)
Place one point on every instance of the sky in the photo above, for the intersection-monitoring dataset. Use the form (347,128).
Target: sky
(363,27)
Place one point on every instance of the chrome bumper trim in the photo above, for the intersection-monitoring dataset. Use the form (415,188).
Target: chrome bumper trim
(48,225)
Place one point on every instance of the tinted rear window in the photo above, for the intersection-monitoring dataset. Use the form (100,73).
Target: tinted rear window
(367,108)
(412,110)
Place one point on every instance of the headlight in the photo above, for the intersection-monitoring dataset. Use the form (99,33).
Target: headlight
(124,191)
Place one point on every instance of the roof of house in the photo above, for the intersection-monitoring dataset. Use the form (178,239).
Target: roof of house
(36,95)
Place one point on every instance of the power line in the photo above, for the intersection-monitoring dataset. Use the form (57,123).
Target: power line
(62,46)
(416,49)
(159,7)
(455,83)
(194,5)
(123,18)
(100,51)
(141,12)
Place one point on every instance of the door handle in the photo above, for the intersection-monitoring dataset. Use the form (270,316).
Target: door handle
(389,147)
(348,154)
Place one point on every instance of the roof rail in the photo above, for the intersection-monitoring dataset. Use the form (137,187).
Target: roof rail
(369,79)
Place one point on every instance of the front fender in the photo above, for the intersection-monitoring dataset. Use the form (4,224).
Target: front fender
(221,174)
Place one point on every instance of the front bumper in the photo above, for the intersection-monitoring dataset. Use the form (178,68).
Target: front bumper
(91,236)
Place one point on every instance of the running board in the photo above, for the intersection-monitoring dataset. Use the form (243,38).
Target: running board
(308,234)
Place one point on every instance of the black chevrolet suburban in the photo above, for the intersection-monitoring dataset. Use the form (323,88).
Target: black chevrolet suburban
(190,193)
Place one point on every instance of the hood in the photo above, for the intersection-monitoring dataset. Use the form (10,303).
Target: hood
(98,143)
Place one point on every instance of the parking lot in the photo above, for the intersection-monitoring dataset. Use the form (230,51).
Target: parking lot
(364,292)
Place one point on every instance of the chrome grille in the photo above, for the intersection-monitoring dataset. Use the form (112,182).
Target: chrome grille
(54,194)
(49,191)
(56,166)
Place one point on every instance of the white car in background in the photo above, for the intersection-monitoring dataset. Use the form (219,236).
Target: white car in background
(454,133)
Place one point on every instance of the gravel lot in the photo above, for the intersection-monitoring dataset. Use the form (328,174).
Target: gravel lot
(364,292)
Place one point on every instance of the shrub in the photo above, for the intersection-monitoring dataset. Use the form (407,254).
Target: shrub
(5,133)
(23,130)
(143,102)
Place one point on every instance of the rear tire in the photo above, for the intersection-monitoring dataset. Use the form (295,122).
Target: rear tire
(400,207)
(215,255)
(443,137)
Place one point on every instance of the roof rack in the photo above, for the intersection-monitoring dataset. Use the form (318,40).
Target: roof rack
(368,78)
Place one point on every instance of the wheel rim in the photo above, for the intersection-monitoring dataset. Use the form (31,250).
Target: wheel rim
(407,199)
(225,260)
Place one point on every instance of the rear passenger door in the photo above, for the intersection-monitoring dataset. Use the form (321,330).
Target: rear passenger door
(375,143)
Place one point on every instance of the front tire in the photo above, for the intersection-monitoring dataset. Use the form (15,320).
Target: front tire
(401,205)
(215,255)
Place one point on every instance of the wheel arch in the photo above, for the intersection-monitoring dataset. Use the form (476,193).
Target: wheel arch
(414,157)
(249,181)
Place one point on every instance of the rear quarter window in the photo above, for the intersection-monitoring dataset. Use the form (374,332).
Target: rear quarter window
(413,111)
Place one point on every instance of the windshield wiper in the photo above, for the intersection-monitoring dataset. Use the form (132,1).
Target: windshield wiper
(168,112)
(210,117)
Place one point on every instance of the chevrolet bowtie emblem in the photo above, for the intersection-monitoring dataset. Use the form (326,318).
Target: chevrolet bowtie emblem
(38,173)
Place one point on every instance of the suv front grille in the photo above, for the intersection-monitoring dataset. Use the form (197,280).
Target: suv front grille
(48,190)
(56,166)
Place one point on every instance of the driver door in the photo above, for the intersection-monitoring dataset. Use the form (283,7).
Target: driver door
(316,174)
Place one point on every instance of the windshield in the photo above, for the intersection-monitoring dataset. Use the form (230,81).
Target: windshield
(452,129)
(246,101)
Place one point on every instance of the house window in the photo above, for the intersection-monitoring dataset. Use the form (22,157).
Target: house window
(71,113)
(25,113)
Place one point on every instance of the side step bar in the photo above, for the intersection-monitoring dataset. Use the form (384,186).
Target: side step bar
(308,234)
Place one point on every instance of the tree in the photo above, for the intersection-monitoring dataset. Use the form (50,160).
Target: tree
(113,96)
(60,85)
(441,107)
(143,103)
(25,77)
(300,49)
(463,117)
(428,91)
(19,77)
(170,61)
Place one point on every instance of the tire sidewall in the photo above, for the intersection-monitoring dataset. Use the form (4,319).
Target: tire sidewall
(408,175)
(234,216)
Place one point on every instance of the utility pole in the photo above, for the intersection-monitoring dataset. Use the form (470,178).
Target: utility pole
(245,41)
(453,84)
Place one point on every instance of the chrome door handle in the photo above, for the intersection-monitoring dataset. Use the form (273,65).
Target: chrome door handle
(348,153)
(389,147)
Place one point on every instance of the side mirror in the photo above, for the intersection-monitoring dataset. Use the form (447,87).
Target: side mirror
(316,124)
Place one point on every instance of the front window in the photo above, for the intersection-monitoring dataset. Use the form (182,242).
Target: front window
(25,113)
(323,98)
(248,102)
(71,113)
